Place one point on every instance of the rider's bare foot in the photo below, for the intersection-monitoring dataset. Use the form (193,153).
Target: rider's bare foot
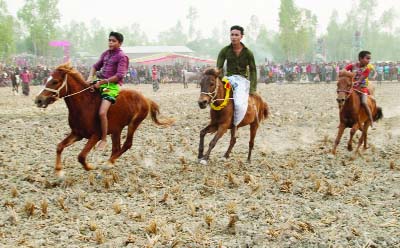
(102,145)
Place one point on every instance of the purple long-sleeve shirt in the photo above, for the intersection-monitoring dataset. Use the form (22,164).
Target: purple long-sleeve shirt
(113,63)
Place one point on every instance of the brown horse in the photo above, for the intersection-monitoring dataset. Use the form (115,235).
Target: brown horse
(83,103)
(351,113)
(212,89)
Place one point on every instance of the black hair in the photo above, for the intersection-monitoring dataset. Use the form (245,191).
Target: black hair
(362,54)
(117,36)
(237,27)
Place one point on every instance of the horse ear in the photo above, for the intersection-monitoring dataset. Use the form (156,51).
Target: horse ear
(217,72)
(212,72)
(66,66)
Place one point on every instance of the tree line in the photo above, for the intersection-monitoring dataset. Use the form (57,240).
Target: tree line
(38,22)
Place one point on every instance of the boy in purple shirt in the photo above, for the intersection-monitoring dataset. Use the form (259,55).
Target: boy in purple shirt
(110,70)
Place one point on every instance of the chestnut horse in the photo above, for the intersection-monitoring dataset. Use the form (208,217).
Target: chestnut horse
(213,91)
(83,103)
(351,113)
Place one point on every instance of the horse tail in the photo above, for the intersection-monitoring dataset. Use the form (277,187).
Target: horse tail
(155,111)
(379,114)
(265,112)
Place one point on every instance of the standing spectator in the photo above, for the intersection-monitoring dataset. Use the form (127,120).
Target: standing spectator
(314,71)
(322,72)
(298,71)
(262,73)
(26,78)
(134,75)
(386,71)
(154,77)
(379,70)
(338,67)
(398,71)
(308,71)
(329,72)
(393,71)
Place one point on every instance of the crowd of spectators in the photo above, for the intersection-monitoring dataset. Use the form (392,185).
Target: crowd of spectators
(173,73)
(322,72)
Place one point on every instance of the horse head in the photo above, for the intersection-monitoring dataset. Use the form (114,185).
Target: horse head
(344,86)
(208,87)
(56,86)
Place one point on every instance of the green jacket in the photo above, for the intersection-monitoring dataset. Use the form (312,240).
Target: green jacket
(243,64)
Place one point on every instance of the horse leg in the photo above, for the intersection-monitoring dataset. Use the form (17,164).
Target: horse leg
(362,138)
(253,132)
(338,137)
(116,146)
(208,129)
(220,132)
(86,149)
(69,140)
(231,144)
(129,137)
(353,130)
(366,126)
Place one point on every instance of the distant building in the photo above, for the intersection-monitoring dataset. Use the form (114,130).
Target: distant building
(135,52)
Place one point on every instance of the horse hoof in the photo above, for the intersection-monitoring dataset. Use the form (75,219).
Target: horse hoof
(107,166)
(60,174)
(350,148)
(224,158)
(89,167)
(203,162)
(331,156)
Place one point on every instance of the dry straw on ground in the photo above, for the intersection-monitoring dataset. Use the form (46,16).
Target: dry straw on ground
(293,194)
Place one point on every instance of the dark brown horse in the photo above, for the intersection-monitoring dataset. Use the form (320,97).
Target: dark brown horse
(83,103)
(351,113)
(212,89)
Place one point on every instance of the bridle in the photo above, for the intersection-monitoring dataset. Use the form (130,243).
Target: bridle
(64,84)
(213,94)
(57,91)
(347,91)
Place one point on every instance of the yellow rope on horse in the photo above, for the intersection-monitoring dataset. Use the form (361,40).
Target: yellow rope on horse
(227,86)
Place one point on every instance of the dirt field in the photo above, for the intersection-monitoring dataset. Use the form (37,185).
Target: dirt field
(293,194)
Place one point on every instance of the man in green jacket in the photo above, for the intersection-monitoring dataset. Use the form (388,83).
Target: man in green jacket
(241,68)
(240,60)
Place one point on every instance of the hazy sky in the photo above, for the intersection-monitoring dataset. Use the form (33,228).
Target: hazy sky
(158,15)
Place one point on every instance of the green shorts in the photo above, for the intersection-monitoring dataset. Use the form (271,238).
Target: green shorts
(109,91)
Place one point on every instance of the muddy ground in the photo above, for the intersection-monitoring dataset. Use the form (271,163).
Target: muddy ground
(293,194)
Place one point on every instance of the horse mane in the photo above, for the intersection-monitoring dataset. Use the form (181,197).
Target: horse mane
(68,68)
(345,73)
(212,72)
